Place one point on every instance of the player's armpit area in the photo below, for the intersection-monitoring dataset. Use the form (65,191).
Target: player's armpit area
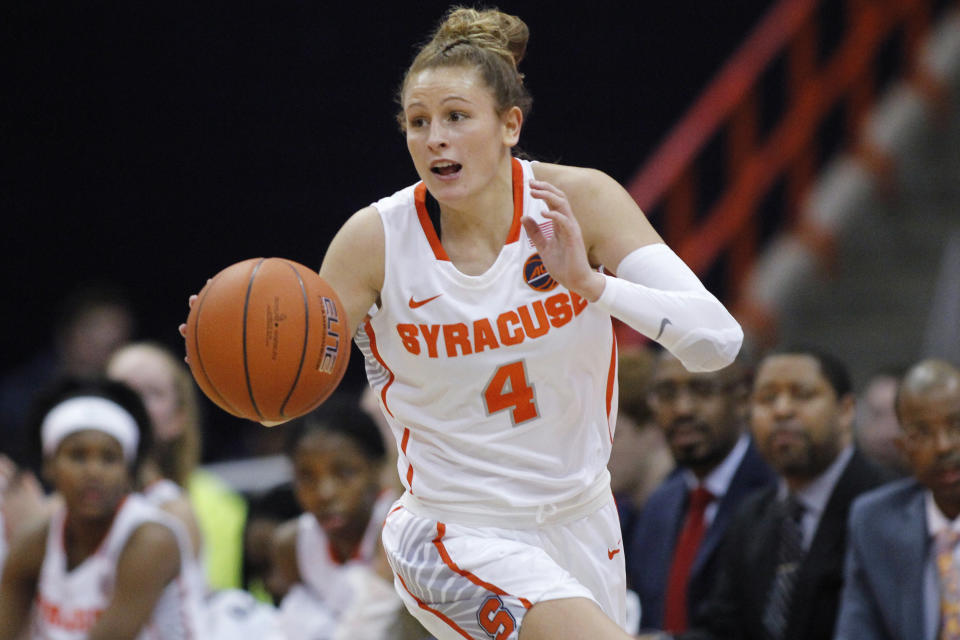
(354,264)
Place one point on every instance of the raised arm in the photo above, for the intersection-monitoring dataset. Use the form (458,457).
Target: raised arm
(354,264)
(596,222)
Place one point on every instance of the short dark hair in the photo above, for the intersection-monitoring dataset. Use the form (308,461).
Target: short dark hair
(832,368)
(342,415)
(72,387)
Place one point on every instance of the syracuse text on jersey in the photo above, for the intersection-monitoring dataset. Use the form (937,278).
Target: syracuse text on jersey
(512,327)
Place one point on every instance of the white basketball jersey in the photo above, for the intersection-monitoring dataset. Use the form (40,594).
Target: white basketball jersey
(499,388)
(161,492)
(323,573)
(69,602)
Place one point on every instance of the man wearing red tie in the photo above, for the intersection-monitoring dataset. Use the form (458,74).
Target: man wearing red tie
(671,555)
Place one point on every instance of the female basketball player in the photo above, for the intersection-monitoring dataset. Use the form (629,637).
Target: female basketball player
(328,557)
(485,317)
(490,345)
(107,564)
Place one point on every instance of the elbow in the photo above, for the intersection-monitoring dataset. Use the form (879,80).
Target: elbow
(704,350)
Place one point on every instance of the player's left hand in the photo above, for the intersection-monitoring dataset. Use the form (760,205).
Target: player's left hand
(562,251)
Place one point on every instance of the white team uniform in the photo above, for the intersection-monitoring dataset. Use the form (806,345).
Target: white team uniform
(159,494)
(69,602)
(339,599)
(501,393)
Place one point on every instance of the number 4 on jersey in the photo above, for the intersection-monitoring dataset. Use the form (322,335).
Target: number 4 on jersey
(509,389)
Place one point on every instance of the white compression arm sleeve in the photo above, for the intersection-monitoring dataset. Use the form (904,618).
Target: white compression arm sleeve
(657,294)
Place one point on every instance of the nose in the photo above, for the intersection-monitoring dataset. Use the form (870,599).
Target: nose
(325,488)
(683,403)
(783,404)
(437,138)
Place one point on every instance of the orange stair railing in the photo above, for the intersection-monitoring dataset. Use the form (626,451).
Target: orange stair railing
(735,169)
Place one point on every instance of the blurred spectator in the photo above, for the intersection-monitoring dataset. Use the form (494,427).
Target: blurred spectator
(877,429)
(93,321)
(672,556)
(107,564)
(639,458)
(268,510)
(902,571)
(781,566)
(212,512)
(328,565)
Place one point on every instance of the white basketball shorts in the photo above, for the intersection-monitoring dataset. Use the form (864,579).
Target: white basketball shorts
(478,582)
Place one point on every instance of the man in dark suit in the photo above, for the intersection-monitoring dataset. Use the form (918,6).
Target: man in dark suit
(781,566)
(671,556)
(902,556)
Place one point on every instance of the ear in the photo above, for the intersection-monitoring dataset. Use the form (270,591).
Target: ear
(512,123)
(847,412)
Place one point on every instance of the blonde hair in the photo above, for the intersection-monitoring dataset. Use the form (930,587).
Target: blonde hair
(487,40)
(178,459)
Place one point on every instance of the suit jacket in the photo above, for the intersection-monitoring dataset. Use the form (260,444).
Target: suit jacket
(649,552)
(735,607)
(887,554)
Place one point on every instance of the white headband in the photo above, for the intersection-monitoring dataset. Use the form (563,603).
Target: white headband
(90,412)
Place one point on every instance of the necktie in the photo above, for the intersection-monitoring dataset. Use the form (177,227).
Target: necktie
(949,585)
(694,526)
(789,555)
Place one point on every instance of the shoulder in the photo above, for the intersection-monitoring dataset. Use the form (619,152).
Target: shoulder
(861,474)
(670,490)
(152,548)
(888,498)
(576,182)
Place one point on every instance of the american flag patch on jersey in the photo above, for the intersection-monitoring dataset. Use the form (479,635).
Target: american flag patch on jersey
(546,228)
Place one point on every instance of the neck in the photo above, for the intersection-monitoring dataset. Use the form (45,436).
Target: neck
(486,216)
(83,536)
(949,508)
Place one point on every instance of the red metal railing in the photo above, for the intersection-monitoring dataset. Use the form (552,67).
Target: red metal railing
(768,161)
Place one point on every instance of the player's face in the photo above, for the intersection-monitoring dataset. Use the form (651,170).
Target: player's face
(931,442)
(458,142)
(798,421)
(149,374)
(336,482)
(698,412)
(88,469)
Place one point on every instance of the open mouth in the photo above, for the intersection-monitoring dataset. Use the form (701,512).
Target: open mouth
(446,168)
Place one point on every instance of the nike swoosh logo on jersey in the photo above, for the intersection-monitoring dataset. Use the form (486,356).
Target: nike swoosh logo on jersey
(612,552)
(663,325)
(419,303)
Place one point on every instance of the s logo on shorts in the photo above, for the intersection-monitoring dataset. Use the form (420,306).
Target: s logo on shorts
(536,275)
(496,619)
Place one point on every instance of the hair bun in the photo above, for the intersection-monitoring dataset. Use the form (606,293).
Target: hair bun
(489,29)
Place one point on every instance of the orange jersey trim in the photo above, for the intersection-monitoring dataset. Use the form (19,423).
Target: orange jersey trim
(420,200)
(403,447)
(368,327)
(611,378)
(438,543)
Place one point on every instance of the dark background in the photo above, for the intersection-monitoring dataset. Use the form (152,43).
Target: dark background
(153,144)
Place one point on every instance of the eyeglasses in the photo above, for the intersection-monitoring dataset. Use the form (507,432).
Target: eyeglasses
(698,389)
(926,436)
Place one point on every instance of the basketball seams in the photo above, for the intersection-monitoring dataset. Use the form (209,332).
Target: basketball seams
(306,335)
(275,380)
(246,363)
(199,355)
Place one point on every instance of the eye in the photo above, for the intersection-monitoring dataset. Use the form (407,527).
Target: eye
(416,122)
(457,116)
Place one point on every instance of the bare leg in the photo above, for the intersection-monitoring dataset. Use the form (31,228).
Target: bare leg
(569,619)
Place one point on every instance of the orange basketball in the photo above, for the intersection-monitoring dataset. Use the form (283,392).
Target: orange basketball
(267,340)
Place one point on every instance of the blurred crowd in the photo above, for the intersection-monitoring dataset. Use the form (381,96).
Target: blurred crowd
(768,500)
